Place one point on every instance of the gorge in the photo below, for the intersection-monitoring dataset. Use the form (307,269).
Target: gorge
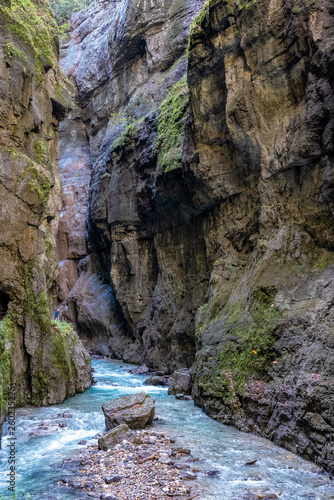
(196,225)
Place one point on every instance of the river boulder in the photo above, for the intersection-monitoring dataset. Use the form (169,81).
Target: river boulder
(180,382)
(157,380)
(136,411)
(113,437)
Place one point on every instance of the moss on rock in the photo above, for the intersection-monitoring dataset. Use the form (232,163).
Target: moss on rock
(6,348)
(32,23)
(171,122)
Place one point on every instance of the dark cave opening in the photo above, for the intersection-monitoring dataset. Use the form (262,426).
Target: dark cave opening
(4,301)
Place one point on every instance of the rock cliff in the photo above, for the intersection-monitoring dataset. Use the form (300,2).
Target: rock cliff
(209,215)
(47,361)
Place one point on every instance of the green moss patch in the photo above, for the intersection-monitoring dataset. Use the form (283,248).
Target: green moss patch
(6,343)
(33,23)
(128,135)
(35,306)
(64,340)
(253,349)
(40,182)
(171,122)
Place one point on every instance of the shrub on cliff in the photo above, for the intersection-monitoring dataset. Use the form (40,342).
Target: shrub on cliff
(63,9)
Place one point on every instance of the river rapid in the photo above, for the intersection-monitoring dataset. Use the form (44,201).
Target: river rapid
(45,438)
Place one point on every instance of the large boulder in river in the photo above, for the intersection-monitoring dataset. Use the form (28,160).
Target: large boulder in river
(114,436)
(180,382)
(136,411)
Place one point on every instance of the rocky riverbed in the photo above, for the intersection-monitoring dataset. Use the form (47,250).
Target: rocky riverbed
(146,465)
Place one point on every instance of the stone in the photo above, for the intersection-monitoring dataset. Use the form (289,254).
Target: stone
(157,380)
(136,411)
(113,437)
(188,476)
(213,473)
(113,479)
(180,382)
(182,450)
(141,370)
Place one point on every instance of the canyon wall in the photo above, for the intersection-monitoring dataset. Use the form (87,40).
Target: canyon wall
(209,213)
(44,362)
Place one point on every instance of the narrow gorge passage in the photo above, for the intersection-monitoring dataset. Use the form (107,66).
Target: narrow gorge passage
(166,180)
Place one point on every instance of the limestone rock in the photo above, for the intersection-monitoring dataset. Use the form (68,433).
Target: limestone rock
(180,382)
(113,437)
(136,411)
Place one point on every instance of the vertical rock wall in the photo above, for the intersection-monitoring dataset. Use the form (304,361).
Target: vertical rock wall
(46,364)
(210,233)
(125,57)
(262,100)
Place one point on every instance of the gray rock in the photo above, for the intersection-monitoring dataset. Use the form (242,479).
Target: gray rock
(180,382)
(108,496)
(136,411)
(187,476)
(113,479)
(157,380)
(113,437)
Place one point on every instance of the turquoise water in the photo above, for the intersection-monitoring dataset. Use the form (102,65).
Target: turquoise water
(223,448)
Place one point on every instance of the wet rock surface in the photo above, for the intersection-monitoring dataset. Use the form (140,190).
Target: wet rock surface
(136,411)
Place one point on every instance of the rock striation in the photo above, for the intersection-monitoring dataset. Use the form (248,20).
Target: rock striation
(45,363)
(209,214)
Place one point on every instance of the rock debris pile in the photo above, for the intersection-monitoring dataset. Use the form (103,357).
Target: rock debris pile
(145,466)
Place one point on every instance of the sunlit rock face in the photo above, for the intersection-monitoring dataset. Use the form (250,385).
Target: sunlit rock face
(209,234)
(33,99)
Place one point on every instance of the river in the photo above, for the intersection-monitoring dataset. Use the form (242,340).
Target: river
(42,448)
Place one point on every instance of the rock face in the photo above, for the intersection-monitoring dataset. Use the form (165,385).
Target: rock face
(124,58)
(210,233)
(135,411)
(33,98)
(180,382)
(261,155)
(113,437)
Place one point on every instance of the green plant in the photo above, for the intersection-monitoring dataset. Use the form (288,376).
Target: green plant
(35,306)
(41,152)
(171,122)
(63,9)
(253,348)
(32,23)
(6,351)
(11,51)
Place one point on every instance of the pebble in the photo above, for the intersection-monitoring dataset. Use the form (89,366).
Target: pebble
(113,479)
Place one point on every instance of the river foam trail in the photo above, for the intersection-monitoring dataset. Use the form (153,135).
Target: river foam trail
(43,443)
